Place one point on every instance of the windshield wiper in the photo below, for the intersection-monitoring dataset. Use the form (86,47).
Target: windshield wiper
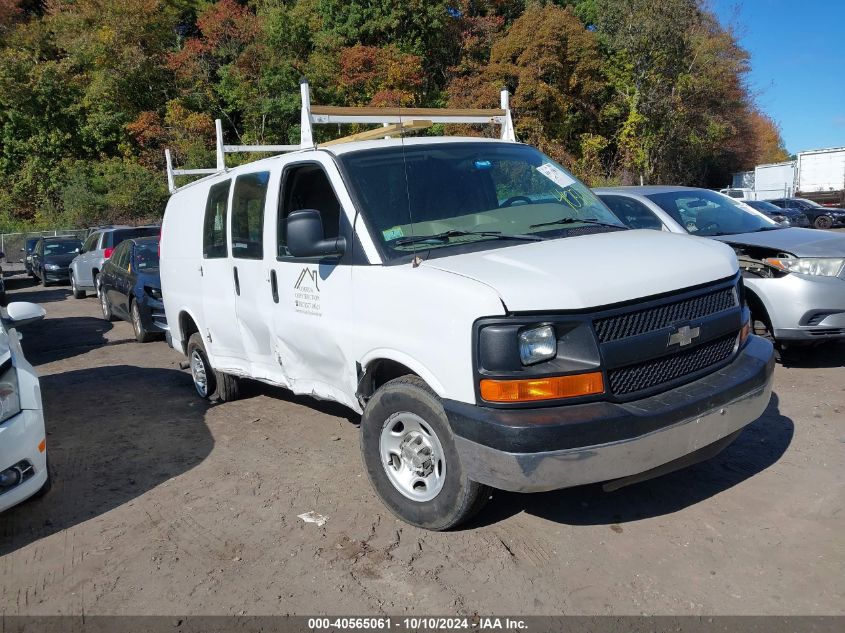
(575,221)
(445,236)
(768,228)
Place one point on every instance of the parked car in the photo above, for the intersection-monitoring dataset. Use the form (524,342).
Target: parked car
(820,217)
(492,321)
(739,193)
(52,256)
(23,440)
(98,247)
(794,277)
(28,249)
(790,217)
(130,287)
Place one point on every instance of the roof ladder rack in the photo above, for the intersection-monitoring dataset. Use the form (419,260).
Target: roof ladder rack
(323,115)
(395,121)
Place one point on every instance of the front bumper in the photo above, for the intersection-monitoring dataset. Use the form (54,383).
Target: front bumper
(152,315)
(803,307)
(20,436)
(62,274)
(533,450)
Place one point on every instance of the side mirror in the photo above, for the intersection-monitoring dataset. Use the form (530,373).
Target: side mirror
(23,313)
(306,237)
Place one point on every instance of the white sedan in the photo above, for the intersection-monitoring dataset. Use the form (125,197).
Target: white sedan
(23,440)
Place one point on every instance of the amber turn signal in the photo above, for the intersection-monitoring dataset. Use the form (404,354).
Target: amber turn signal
(42,445)
(744,332)
(534,389)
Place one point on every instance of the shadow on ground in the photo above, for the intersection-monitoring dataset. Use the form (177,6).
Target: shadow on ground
(57,339)
(759,446)
(826,355)
(251,388)
(113,433)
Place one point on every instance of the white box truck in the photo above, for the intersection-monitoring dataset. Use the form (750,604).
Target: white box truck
(821,176)
(775,180)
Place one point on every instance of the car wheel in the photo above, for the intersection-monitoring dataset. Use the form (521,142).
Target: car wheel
(105,305)
(141,333)
(44,281)
(823,222)
(410,456)
(205,381)
(77,293)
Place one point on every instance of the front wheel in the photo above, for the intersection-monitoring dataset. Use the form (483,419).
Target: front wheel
(410,456)
(823,222)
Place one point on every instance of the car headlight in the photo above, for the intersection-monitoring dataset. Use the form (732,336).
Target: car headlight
(823,266)
(537,344)
(51,267)
(10,402)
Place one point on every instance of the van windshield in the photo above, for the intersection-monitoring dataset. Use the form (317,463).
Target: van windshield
(445,195)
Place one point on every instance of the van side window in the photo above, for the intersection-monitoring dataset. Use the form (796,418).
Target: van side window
(214,227)
(307,187)
(248,215)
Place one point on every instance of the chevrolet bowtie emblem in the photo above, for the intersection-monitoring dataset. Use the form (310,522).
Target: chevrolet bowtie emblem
(684,335)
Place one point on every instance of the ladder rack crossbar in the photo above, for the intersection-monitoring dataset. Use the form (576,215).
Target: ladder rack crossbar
(395,121)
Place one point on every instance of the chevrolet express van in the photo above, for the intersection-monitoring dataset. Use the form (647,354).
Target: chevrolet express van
(490,319)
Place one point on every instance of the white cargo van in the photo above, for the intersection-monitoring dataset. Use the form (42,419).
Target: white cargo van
(491,320)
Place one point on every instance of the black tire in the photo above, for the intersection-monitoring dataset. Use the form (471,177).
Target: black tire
(228,387)
(105,306)
(823,222)
(196,354)
(459,498)
(141,333)
(77,293)
(761,326)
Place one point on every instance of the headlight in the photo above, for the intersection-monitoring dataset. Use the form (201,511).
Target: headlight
(10,402)
(823,266)
(537,344)
(51,267)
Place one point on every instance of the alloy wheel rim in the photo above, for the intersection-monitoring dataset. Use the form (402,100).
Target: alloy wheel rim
(199,374)
(136,319)
(105,303)
(412,456)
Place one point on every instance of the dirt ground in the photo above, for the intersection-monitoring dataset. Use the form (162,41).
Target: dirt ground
(163,504)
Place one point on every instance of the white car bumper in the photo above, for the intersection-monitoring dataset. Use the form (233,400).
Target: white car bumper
(20,437)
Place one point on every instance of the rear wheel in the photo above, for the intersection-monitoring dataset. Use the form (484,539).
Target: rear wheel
(77,293)
(410,456)
(141,333)
(823,222)
(105,306)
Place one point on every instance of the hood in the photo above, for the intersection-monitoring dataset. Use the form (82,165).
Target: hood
(60,260)
(797,241)
(589,271)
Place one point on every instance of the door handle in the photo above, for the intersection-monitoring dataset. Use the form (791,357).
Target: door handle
(274,286)
(237,281)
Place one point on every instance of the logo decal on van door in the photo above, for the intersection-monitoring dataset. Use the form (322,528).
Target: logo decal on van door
(306,296)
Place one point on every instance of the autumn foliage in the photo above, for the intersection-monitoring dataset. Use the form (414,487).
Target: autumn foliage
(92,91)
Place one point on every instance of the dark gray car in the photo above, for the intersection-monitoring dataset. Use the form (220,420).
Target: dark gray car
(96,250)
(794,277)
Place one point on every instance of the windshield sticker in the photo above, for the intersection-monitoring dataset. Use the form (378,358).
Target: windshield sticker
(572,197)
(556,175)
(393,234)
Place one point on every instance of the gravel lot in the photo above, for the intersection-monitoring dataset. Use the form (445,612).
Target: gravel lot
(163,504)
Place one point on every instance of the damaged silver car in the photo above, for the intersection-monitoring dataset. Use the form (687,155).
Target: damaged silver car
(794,277)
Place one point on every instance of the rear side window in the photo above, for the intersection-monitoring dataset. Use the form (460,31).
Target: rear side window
(214,227)
(248,215)
(120,257)
(91,242)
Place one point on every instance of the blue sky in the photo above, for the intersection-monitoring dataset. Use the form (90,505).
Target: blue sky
(797,64)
